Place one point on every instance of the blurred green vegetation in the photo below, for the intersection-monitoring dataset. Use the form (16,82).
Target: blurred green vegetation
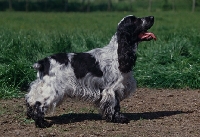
(97,5)
(170,62)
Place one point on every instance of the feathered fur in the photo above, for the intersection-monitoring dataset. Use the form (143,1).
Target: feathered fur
(102,76)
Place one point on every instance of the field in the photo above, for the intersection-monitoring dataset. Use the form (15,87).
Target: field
(153,113)
(171,62)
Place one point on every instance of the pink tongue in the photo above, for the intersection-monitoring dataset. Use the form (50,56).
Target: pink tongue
(147,36)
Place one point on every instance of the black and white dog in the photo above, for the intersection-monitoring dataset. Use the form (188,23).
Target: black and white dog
(102,76)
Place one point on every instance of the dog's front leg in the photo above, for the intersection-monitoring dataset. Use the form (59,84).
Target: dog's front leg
(118,117)
(110,107)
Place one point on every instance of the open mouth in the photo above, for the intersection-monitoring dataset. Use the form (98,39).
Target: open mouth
(146,36)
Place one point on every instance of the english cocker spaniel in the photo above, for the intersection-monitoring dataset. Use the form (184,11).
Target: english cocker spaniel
(102,76)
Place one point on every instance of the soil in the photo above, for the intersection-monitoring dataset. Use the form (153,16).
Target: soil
(152,113)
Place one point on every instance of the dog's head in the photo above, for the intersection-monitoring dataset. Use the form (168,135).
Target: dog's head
(133,29)
(130,31)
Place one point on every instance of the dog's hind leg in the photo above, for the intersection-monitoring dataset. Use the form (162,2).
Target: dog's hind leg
(110,108)
(37,114)
(41,98)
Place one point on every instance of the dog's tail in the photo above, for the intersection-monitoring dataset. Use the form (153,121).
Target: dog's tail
(42,66)
(37,66)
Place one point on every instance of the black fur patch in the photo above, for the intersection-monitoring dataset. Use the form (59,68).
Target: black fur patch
(118,117)
(127,36)
(127,58)
(29,112)
(61,58)
(37,115)
(44,66)
(45,63)
(84,63)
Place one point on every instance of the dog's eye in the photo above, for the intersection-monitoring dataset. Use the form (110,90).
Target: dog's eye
(139,21)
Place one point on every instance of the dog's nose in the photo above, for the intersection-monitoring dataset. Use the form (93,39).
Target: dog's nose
(151,17)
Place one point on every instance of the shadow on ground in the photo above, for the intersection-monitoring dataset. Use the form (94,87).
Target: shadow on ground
(154,115)
(74,117)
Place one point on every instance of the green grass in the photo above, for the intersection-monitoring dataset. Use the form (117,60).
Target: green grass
(170,62)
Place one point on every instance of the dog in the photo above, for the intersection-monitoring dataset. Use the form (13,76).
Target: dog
(102,76)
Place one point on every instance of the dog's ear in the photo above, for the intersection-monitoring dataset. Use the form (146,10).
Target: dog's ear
(127,26)
(127,30)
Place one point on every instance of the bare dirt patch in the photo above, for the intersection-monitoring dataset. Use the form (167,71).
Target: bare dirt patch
(153,113)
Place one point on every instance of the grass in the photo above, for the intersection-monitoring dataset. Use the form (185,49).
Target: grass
(170,62)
